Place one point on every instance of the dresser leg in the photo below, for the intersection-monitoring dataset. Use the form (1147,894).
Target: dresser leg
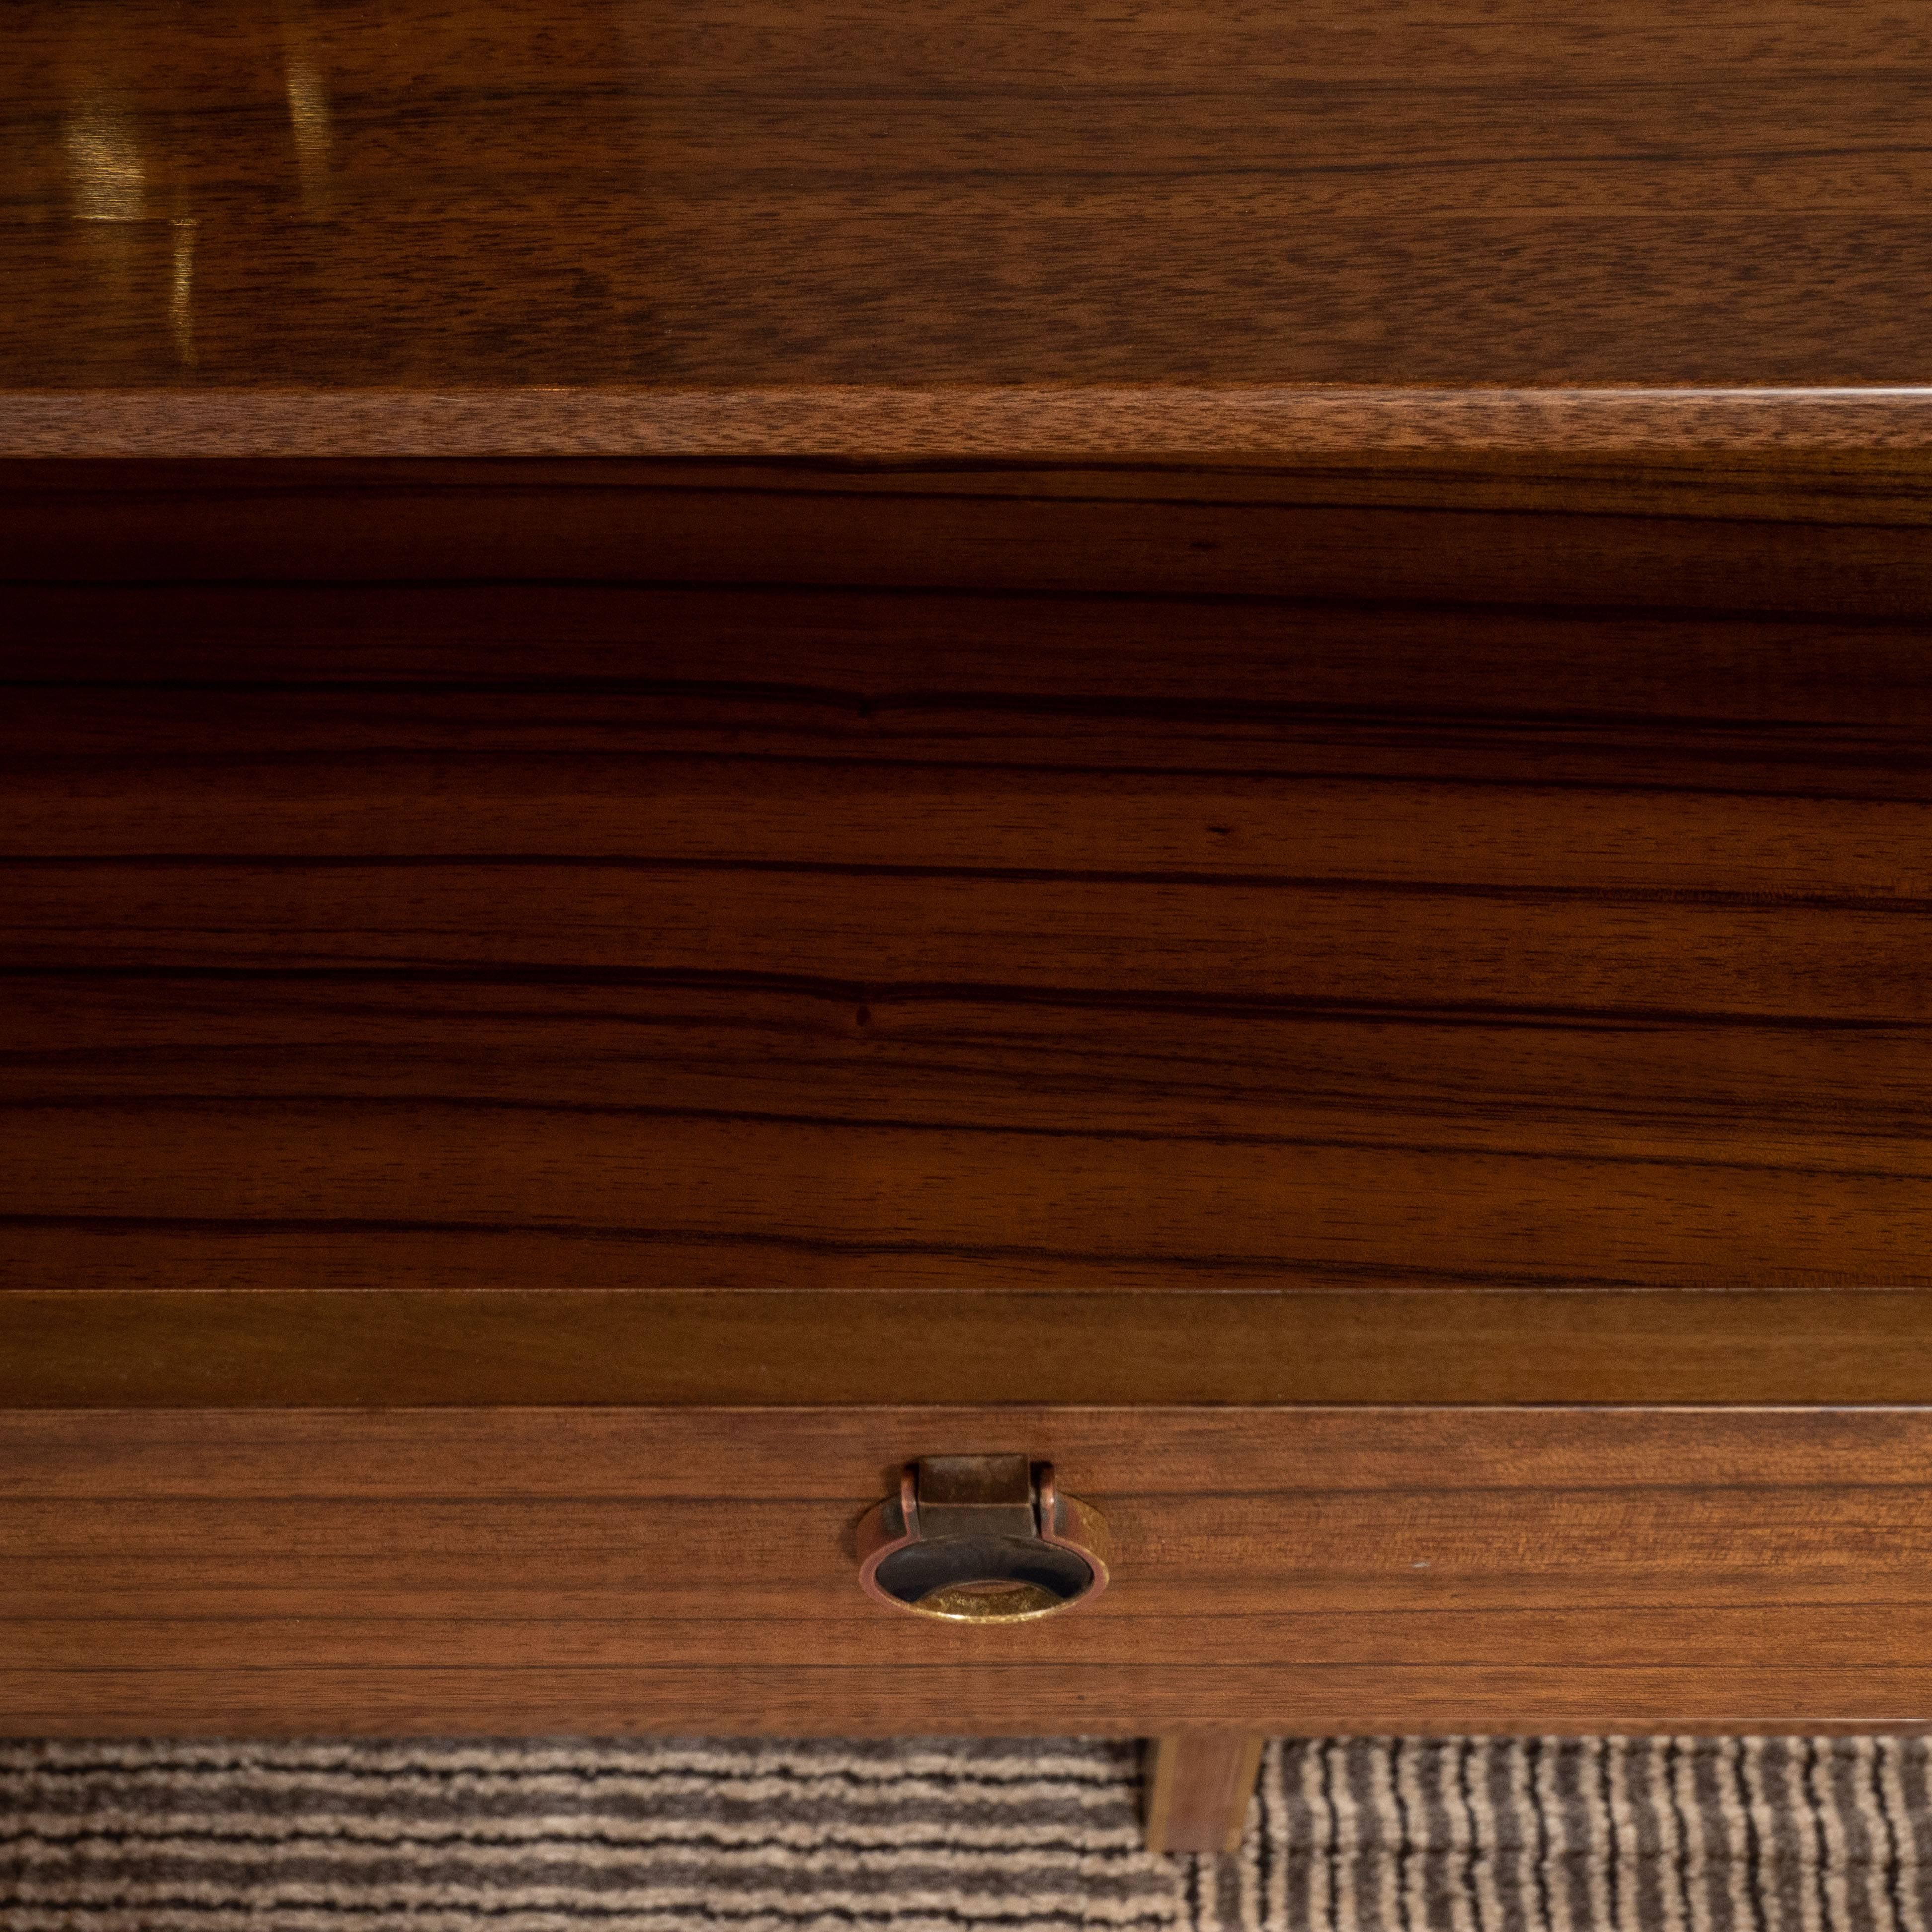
(1197,1786)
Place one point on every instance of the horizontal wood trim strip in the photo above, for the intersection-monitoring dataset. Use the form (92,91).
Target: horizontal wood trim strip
(1838,1622)
(114,1347)
(860,1700)
(845,1455)
(1187,1630)
(906,423)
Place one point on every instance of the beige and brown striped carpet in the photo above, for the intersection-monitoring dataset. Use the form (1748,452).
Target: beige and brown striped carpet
(931,1835)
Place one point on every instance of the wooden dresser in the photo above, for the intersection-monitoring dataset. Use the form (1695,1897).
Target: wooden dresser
(742,742)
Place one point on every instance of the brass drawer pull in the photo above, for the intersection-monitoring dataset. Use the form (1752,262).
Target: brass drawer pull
(982,1539)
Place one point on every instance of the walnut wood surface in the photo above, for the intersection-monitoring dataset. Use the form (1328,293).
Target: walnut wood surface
(643,943)
(529,225)
(214,1321)
(1297,1570)
(1268,746)
(976,1699)
(1664,537)
(640,943)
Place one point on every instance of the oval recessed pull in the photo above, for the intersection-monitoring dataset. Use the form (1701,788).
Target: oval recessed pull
(982,1539)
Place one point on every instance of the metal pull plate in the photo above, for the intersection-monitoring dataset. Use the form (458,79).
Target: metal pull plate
(982,1539)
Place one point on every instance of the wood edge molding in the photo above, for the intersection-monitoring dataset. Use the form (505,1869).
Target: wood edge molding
(344,1348)
(969,1700)
(882,422)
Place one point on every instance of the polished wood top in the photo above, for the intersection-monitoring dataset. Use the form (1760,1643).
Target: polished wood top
(894,226)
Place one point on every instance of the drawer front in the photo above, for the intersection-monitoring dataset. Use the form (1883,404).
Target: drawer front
(1286,1570)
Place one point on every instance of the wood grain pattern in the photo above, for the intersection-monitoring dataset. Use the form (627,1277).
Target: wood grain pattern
(607,229)
(639,944)
(811,1454)
(874,423)
(977,1699)
(1197,1786)
(1213,711)
(1443,1570)
(211,1318)
(1667,538)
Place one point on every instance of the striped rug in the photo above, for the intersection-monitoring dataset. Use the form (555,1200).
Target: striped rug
(1536,1834)
(933,1835)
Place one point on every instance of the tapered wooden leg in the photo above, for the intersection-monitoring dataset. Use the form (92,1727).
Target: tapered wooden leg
(1197,1786)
